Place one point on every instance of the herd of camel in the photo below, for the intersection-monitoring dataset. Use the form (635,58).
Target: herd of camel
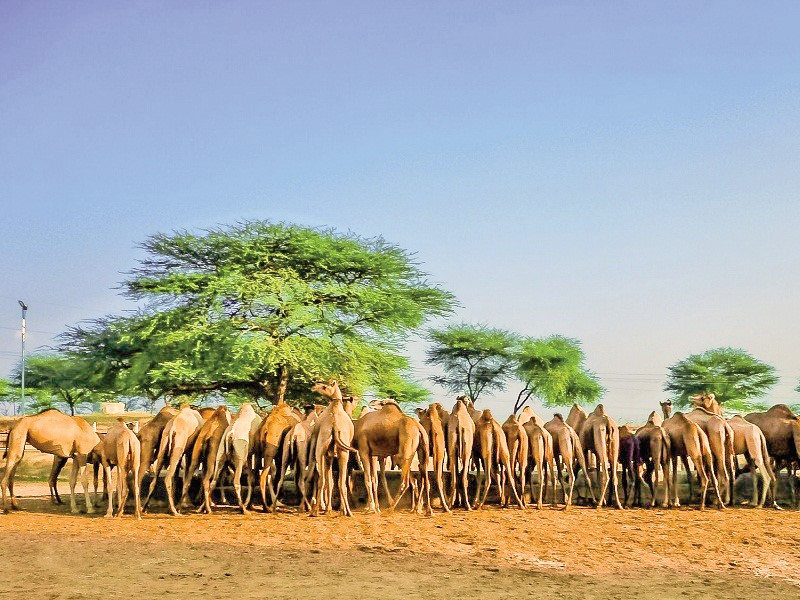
(323,444)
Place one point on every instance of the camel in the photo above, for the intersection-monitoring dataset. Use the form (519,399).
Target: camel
(235,451)
(387,432)
(720,439)
(121,448)
(781,429)
(204,453)
(295,453)
(654,451)
(750,441)
(495,456)
(540,443)
(150,438)
(629,459)
(600,436)
(433,419)
(576,418)
(177,439)
(331,438)
(460,436)
(517,440)
(271,436)
(566,449)
(687,440)
(52,432)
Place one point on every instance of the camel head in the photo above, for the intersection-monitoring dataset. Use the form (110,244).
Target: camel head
(349,403)
(666,408)
(329,390)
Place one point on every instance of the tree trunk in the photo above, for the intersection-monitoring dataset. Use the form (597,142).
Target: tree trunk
(283,384)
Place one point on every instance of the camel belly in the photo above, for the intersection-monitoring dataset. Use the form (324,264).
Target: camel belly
(49,447)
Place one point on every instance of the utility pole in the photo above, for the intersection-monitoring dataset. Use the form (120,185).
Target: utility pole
(22,376)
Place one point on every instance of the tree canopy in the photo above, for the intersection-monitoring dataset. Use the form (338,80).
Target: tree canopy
(731,374)
(552,369)
(475,358)
(259,308)
(50,375)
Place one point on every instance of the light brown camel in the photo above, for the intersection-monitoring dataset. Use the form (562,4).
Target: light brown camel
(576,418)
(517,440)
(720,439)
(296,453)
(460,436)
(781,429)
(150,438)
(271,436)
(331,439)
(51,432)
(687,440)
(235,451)
(433,420)
(654,450)
(600,435)
(121,449)
(750,441)
(495,457)
(385,433)
(566,450)
(177,439)
(540,444)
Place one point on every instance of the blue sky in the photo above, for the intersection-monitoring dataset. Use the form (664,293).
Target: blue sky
(624,173)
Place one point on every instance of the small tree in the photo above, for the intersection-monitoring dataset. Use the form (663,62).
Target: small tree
(552,369)
(57,375)
(731,374)
(475,358)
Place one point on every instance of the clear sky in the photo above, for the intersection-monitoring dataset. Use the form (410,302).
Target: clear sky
(627,173)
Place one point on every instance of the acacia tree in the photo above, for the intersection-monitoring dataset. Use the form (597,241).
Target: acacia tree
(55,375)
(553,370)
(259,308)
(731,374)
(475,358)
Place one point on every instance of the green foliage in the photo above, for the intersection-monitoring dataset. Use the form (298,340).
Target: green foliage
(552,369)
(731,374)
(403,389)
(56,377)
(262,310)
(475,358)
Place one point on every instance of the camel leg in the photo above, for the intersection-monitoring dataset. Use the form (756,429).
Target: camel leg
(237,482)
(405,479)
(703,477)
(676,501)
(169,479)
(58,465)
(367,464)
(689,481)
(571,481)
(389,497)
(110,509)
(440,484)
(156,471)
(344,458)
(262,484)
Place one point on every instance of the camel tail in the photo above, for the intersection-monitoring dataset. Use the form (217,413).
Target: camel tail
(337,439)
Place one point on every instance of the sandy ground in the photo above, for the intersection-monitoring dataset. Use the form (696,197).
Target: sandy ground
(48,553)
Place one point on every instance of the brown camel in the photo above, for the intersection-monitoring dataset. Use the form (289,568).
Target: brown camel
(540,443)
(749,440)
(576,418)
(235,451)
(295,453)
(781,429)
(51,432)
(204,453)
(687,440)
(566,450)
(433,420)
(121,449)
(517,440)
(177,439)
(385,433)
(271,436)
(150,438)
(495,456)
(654,450)
(460,436)
(331,438)
(720,438)
(600,435)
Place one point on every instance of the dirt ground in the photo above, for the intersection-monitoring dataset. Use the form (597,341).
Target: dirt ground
(584,553)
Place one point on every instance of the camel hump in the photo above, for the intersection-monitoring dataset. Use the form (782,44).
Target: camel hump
(599,411)
(558,417)
(486,415)
(512,420)
(782,410)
